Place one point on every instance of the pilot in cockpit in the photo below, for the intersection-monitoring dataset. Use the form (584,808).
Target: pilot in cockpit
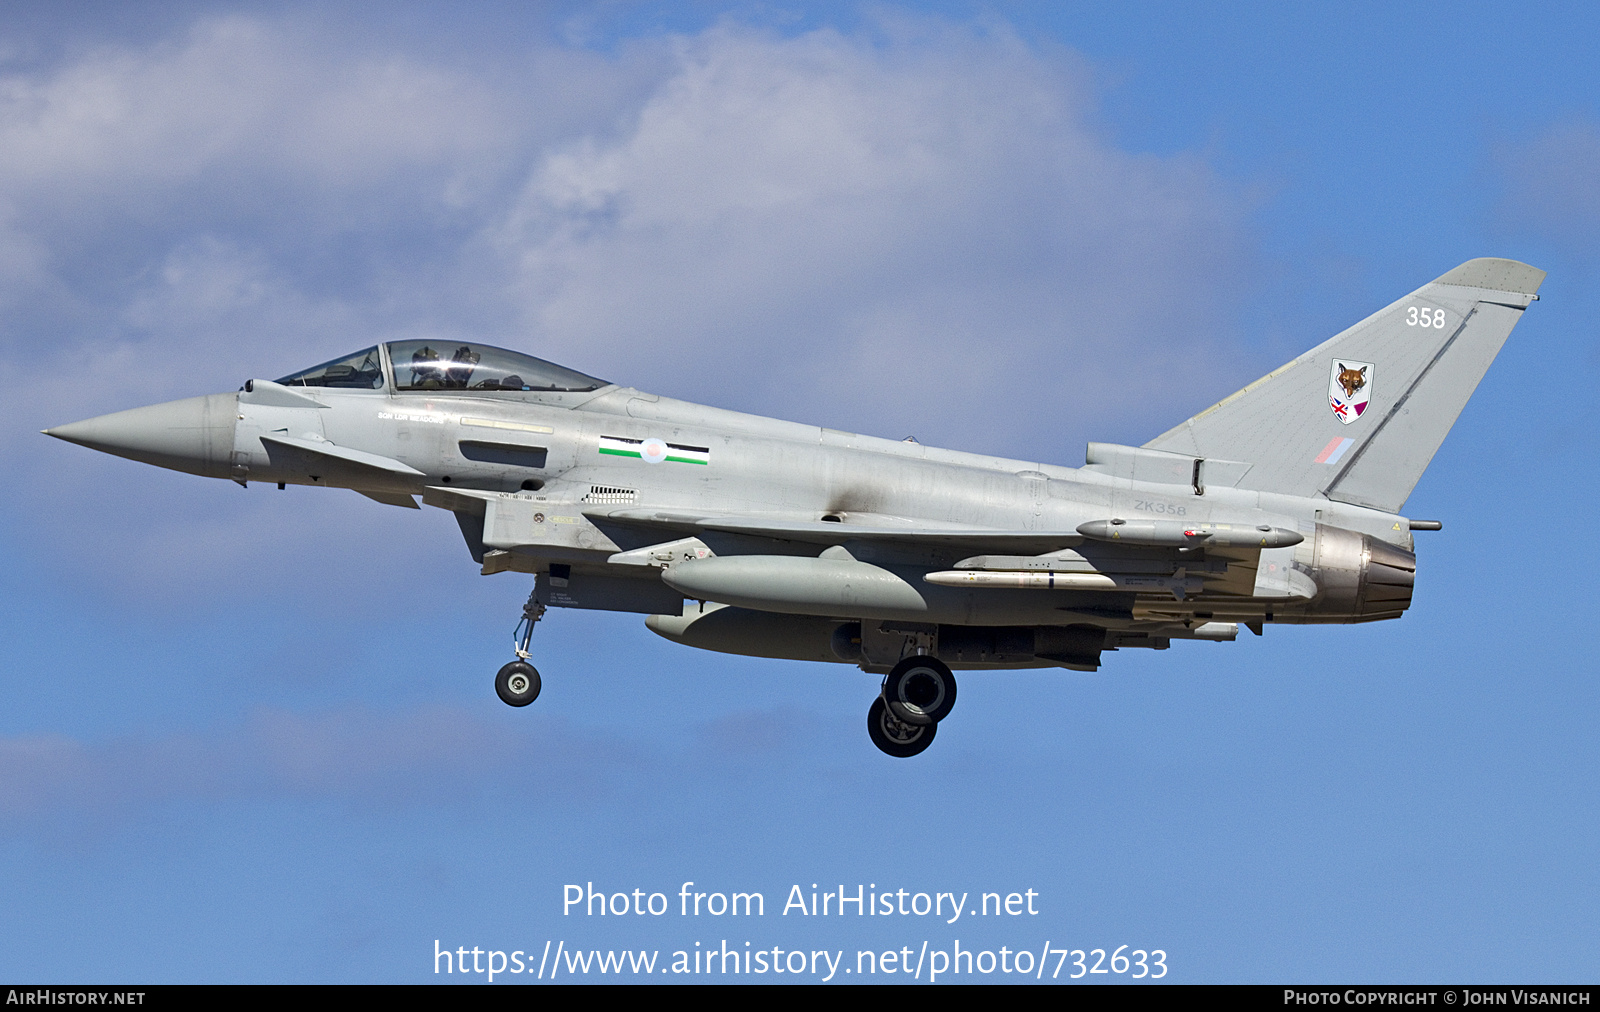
(425,374)
(462,363)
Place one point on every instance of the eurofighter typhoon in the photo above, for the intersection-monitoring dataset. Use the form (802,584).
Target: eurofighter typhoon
(734,532)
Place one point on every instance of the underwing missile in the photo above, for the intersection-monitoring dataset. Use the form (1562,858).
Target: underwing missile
(1179,586)
(1177,534)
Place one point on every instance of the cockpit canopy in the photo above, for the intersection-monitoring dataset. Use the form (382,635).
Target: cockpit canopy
(444,365)
(361,371)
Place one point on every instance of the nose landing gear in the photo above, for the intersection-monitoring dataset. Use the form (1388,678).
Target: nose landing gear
(518,683)
(918,692)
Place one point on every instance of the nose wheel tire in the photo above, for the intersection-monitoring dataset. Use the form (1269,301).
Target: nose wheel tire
(894,736)
(517,684)
(920,690)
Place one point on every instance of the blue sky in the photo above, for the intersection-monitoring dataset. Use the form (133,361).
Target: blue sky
(250,735)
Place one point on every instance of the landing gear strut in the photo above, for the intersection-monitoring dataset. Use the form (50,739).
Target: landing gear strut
(917,693)
(518,683)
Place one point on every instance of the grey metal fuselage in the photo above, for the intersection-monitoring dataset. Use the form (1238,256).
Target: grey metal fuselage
(526,475)
(1277,504)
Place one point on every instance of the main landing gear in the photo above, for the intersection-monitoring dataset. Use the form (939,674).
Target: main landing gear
(917,693)
(518,683)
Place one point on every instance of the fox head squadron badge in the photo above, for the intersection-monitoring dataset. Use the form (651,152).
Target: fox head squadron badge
(1349,389)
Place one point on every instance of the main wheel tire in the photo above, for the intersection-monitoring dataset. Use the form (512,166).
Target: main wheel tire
(920,690)
(895,737)
(517,684)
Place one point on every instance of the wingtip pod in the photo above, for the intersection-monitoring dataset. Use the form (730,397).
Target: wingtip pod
(1496,275)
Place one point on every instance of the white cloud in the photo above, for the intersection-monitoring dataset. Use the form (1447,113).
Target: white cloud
(926,232)
(241,92)
(334,164)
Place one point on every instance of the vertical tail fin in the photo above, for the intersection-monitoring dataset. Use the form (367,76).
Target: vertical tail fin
(1359,417)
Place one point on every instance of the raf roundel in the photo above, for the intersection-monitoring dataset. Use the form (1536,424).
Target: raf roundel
(653,451)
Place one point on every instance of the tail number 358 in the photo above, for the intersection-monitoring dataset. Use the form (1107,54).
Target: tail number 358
(1418,317)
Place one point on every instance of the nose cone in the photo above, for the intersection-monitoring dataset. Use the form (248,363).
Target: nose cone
(193,435)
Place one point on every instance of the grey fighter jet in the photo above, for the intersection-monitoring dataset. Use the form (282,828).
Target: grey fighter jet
(733,532)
